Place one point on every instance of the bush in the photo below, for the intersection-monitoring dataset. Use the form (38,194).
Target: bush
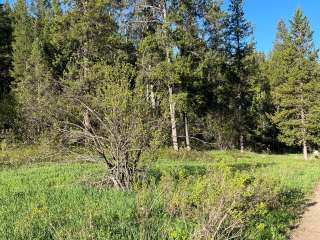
(220,204)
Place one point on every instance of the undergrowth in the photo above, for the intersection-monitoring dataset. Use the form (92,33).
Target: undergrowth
(212,195)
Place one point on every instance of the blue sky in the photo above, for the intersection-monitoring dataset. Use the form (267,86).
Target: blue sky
(265,14)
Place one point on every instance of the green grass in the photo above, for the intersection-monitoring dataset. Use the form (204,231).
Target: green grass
(290,169)
(49,201)
(52,201)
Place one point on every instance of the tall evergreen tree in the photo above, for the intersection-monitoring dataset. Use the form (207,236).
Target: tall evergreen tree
(31,72)
(7,108)
(5,48)
(280,56)
(297,89)
(282,35)
(34,94)
(215,86)
(22,47)
(22,38)
(263,129)
(239,48)
(89,29)
(191,48)
(215,25)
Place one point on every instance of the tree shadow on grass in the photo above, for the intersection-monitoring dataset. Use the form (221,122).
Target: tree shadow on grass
(305,204)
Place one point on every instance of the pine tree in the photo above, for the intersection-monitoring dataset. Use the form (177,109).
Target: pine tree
(296,92)
(239,49)
(21,47)
(56,8)
(215,86)
(86,40)
(34,94)
(215,25)
(22,38)
(90,39)
(190,49)
(7,102)
(280,56)
(40,11)
(263,129)
(282,36)
(5,48)
(31,72)
(59,46)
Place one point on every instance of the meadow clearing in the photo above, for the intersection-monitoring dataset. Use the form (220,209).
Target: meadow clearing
(183,196)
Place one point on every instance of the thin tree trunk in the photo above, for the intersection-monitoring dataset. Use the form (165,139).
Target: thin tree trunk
(304,133)
(152,97)
(187,132)
(147,92)
(241,137)
(38,104)
(150,92)
(173,121)
(171,102)
(304,142)
(305,150)
(241,143)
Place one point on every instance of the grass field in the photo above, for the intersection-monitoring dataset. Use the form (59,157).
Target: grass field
(290,169)
(53,200)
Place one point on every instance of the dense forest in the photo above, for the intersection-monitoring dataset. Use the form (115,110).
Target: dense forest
(155,119)
(125,77)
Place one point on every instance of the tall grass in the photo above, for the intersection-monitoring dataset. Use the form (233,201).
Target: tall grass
(183,197)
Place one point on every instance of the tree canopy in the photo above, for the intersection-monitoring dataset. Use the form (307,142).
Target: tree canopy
(129,75)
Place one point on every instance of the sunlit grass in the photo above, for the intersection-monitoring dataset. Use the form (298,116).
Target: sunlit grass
(290,169)
(52,200)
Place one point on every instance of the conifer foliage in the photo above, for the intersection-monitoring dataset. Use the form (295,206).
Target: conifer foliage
(296,88)
(6,29)
(7,110)
(122,77)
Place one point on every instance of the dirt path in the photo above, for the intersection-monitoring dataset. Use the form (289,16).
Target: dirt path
(309,228)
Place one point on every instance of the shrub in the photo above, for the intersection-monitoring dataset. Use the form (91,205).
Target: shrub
(117,124)
(219,204)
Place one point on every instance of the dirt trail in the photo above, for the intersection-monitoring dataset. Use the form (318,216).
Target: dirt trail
(309,228)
